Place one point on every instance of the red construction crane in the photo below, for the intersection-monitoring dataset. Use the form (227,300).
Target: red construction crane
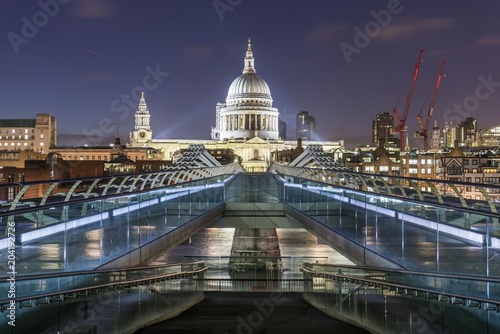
(424,127)
(400,122)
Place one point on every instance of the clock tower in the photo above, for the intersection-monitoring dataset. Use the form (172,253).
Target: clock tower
(142,131)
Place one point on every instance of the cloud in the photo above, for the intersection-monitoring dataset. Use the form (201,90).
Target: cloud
(94,9)
(197,52)
(409,28)
(488,41)
(324,32)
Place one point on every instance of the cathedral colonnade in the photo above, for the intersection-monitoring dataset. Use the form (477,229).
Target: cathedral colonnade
(247,121)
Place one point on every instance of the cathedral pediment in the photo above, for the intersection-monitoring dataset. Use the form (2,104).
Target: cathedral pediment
(256,140)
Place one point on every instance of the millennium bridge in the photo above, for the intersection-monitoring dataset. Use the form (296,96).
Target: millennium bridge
(78,256)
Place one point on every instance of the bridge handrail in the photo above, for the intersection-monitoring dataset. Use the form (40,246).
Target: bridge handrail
(454,298)
(476,278)
(122,184)
(196,268)
(439,189)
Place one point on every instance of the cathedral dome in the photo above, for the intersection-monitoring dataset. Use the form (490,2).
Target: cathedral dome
(249,85)
(248,111)
(249,88)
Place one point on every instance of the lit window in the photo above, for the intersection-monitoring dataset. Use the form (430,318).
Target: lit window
(26,131)
(41,144)
(26,136)
(13,131)
(422,171)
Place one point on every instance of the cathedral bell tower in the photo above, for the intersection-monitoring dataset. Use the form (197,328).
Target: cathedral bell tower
(142,131)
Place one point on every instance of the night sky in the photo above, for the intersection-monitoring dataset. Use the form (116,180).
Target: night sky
(343,61)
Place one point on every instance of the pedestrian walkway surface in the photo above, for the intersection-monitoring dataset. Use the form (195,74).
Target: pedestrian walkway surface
(252,313)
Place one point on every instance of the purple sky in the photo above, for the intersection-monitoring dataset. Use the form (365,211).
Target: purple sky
(85,55)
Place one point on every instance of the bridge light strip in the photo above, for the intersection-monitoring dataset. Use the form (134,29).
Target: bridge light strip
(447,229)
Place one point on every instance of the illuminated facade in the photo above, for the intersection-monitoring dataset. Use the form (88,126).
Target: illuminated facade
(248,111)
(142,130)
(245,124)
(491,137)
(38,134)
(382,127)
(305,126)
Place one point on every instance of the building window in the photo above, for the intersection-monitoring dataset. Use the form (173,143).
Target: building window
(454,168)
(466,161)
(13,131)
(478,179)
(474,162)
(422,171)
(412,170)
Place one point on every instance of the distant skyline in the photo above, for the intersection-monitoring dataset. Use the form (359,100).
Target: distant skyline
(86,61)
